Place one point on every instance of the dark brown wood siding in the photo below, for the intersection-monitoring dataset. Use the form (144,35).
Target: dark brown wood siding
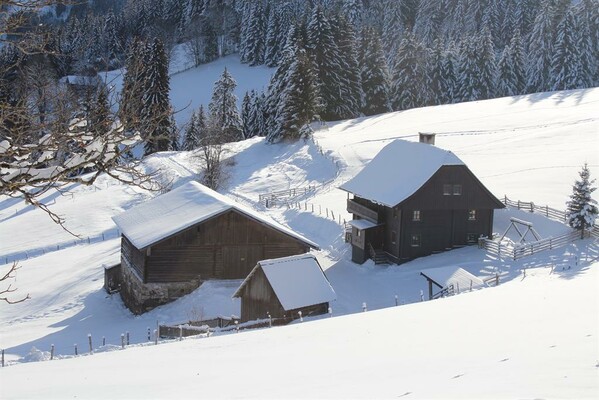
(259,299)
(225,247)
(135,257)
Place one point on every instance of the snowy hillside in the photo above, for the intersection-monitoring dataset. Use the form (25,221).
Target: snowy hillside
(518,340)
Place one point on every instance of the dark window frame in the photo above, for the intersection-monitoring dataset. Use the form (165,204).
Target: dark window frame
(457,189)
(416,240)
(471,238)
(471,215)
(416,216)
(447,189)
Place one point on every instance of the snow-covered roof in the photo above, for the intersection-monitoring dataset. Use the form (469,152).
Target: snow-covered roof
(298,281)
(182,208)
(398,171)
(362,224)
(456,276)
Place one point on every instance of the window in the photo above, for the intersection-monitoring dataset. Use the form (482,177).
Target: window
(393,237)
(415,242)
(471,215)
(472,238)
(457,190)
(446,190)
(416,215)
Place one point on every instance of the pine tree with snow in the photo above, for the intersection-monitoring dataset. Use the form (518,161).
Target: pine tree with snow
(99,114)
(374,74)
(408,75)
(540,49)
(173,135)
(275,38)
(582,208)
(132,92)
(350,86)
(246,115)
(448,82)
(325,55)
(201,124)
(191,140)
(393,29)
(506,79)
(566,67)
(224,115)
(156,112)
(487,65)
(468,72)
(434,76)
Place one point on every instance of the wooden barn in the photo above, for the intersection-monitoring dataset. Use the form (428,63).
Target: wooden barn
(283,287)
(174,242)
(415,199)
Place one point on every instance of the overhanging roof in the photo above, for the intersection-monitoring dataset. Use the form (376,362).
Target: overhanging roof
(398,171)
(181,208)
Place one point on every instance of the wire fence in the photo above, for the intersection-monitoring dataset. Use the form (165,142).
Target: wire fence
(38,251)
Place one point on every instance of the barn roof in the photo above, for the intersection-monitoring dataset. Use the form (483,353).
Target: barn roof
(456,276)
(298,281)
(409,164)
(181,208)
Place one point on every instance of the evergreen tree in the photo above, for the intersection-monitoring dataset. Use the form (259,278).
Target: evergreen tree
(131,94)
(409,74)
(173,134)
(224,115)
(582,208)
(191,140)
(211,52)
(156,111)
(506,79)
(518,61)
(100,116)
(327,61)
(434,76)
(566,67)
(201,124)
(392,29)
(540,49)
(448,81)
(246,115)
(468,72)
(350,86)
(252,46)
(428,21)
(486,65)
(374,74)
(275,38)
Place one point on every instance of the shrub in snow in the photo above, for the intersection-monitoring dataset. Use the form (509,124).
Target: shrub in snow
(36,355)
(582,209)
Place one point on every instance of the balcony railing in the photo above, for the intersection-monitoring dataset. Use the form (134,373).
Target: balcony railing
(362,211)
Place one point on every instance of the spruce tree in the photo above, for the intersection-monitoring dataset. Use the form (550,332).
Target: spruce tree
(191,140)
(486,65)
(566,64)
(132,92)
(156,111)
(434,76)
(374,74)
(506,79)
(201,124)
(350,86)
(468,75)
(540,49)
(582,208)
(99,113)
(326,58)
(224,115)
(448,82)
(246,115)
(275,38)
(409,75)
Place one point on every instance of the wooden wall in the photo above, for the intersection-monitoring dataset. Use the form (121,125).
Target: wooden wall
(259,299)
(225,247)
(135,257)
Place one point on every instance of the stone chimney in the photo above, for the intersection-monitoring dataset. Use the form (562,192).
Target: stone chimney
(428,138)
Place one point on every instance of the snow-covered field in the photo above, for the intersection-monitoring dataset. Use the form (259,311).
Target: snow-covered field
(533,336)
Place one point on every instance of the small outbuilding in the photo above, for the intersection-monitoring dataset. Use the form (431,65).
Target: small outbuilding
(176,241)
(283,287)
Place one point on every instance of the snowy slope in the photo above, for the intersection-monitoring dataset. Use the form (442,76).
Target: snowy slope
(519,340)
(528,147)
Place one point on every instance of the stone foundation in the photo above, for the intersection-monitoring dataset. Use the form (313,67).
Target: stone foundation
(140,297)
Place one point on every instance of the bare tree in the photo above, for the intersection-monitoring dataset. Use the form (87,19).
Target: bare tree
(5,291)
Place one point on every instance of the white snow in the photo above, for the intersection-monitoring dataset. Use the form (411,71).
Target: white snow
(456,276)
(530,337)
(180,209)
(298,281)
(409,164)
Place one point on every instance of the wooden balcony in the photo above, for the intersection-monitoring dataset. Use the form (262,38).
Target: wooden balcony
(362,211)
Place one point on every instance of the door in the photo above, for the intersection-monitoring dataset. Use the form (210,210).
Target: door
(238,261)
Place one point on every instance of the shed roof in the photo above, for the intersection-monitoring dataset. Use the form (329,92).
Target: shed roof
(410,164)
(181,208)
(298,281)
(456,276)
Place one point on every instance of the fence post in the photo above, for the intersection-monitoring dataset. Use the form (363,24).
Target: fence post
(128,339)
(103,340)
(269,320)
(155,336)
(89,340)
(149,335)
(364,308)
(237,326)
(51,352)
(180,332)
(300,316)
(76,352)
(518,204)
(3,358)
(496,278)
(396,301)
(547,211)
(421,295)
(122,340)
(330,312)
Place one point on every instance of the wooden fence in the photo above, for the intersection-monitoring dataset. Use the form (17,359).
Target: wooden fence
(547,211)
(284,197)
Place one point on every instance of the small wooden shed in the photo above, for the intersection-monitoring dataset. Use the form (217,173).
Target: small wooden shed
(283,287)
(450,280)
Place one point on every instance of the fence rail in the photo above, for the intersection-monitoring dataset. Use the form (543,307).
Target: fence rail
(547,211)
(38,251)
(283,197)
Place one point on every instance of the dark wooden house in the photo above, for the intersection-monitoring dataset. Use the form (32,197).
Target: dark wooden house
(175,241)
(284,287)
(414,199)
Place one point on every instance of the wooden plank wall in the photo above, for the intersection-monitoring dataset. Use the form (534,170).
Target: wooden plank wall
(225,247)
(135,257)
